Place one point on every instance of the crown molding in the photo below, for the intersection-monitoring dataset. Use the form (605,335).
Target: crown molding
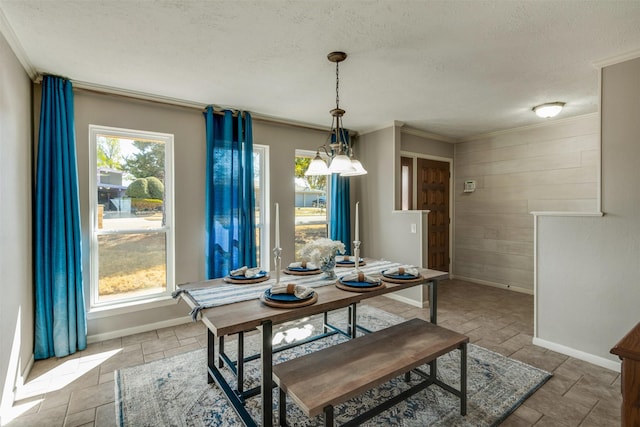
(388,125)
(427,135)
(612,60)
(109,90)
(410,131)
(143,96)
(16,46)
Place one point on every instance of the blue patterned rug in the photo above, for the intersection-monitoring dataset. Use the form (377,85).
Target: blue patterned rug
(174,391)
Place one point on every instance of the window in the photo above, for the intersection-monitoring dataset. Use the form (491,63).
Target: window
(260,179)
(132,249)
(311,201)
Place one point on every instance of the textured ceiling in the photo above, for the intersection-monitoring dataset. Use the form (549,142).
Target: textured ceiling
(452,68)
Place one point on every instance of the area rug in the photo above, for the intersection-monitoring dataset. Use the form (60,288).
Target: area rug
(174,391)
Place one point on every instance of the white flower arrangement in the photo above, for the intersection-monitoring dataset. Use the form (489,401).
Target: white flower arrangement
(321,250)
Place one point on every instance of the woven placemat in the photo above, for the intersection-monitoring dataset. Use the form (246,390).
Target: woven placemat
(301,273)
(392,280)
(230,279)
(359,289)
(295,304)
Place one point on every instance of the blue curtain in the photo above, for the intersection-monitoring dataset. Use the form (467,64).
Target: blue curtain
(230,200)
(340,210)
(60,319)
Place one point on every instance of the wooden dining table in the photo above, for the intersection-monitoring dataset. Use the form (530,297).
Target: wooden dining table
(243,316)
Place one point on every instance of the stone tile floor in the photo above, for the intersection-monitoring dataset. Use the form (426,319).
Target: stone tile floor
(79,390)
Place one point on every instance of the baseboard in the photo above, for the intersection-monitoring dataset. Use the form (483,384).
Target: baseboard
(138,329)
(493,284)
(25,373)
(406,300)
(578,354)
(20,379)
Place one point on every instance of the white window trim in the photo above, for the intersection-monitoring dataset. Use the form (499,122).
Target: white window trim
(102,309)
(265,253)
(312,154)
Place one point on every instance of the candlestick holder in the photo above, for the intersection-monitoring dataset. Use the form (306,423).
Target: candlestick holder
(277,260)
(356,252)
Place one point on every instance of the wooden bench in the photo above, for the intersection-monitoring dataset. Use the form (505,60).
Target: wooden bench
(319,381)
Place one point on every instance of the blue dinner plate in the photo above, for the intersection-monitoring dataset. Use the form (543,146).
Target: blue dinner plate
(284,297)
(260,275)
(302,269)
(356,284)
(404,276)
(351,261)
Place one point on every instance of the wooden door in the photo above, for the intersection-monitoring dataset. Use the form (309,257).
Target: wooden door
(433,195)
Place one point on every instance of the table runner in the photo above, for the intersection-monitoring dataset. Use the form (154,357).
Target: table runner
(208,297)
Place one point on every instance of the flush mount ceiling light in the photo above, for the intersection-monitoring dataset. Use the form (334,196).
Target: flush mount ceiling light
(550,109)
(338,147)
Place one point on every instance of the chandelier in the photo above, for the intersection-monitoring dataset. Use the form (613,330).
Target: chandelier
(338,148)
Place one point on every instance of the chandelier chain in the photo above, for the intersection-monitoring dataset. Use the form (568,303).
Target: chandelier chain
(337,86)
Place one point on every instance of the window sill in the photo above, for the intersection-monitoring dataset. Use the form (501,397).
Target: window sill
(130,307)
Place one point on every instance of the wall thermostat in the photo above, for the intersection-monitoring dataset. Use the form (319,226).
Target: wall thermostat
(469,186)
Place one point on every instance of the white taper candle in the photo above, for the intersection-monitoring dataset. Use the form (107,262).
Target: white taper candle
(357,223)
(277,225)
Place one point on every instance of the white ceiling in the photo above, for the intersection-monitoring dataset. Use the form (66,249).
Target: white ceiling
(452,68)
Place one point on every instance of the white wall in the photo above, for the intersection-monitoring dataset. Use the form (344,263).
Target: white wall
(386,233)
(588,268)
(16,303)
(548,167)
(414,142)
(283,141)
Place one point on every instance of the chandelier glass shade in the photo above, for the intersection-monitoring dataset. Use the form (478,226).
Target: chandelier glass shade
(338,149)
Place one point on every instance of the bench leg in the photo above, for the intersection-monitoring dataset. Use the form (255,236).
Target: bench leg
(353,321)
(463,379)
(282,407)
(325,321)
(328,416)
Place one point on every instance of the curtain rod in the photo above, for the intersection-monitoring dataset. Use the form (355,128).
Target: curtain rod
(107,90)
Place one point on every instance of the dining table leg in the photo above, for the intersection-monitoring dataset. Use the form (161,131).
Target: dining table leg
(433,301)
(220,351)
(266,384)
(211,354)
(353,321)
(240,363)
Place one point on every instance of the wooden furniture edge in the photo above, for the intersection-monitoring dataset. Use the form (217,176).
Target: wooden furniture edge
(629,346)
(385,342)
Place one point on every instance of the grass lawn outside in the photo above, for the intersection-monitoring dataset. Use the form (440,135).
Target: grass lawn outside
(131,263)
(134,264)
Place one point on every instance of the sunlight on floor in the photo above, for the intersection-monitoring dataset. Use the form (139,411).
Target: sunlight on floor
(17,409)
(293,334)
(63,375)
(32,393)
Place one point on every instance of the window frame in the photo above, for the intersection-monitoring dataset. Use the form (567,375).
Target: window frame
(168,229)
(300,152)
(265,253)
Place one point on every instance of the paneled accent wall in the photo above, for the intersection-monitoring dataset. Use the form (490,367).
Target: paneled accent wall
(552,167)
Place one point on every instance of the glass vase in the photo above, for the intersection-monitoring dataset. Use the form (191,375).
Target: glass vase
(327,266)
